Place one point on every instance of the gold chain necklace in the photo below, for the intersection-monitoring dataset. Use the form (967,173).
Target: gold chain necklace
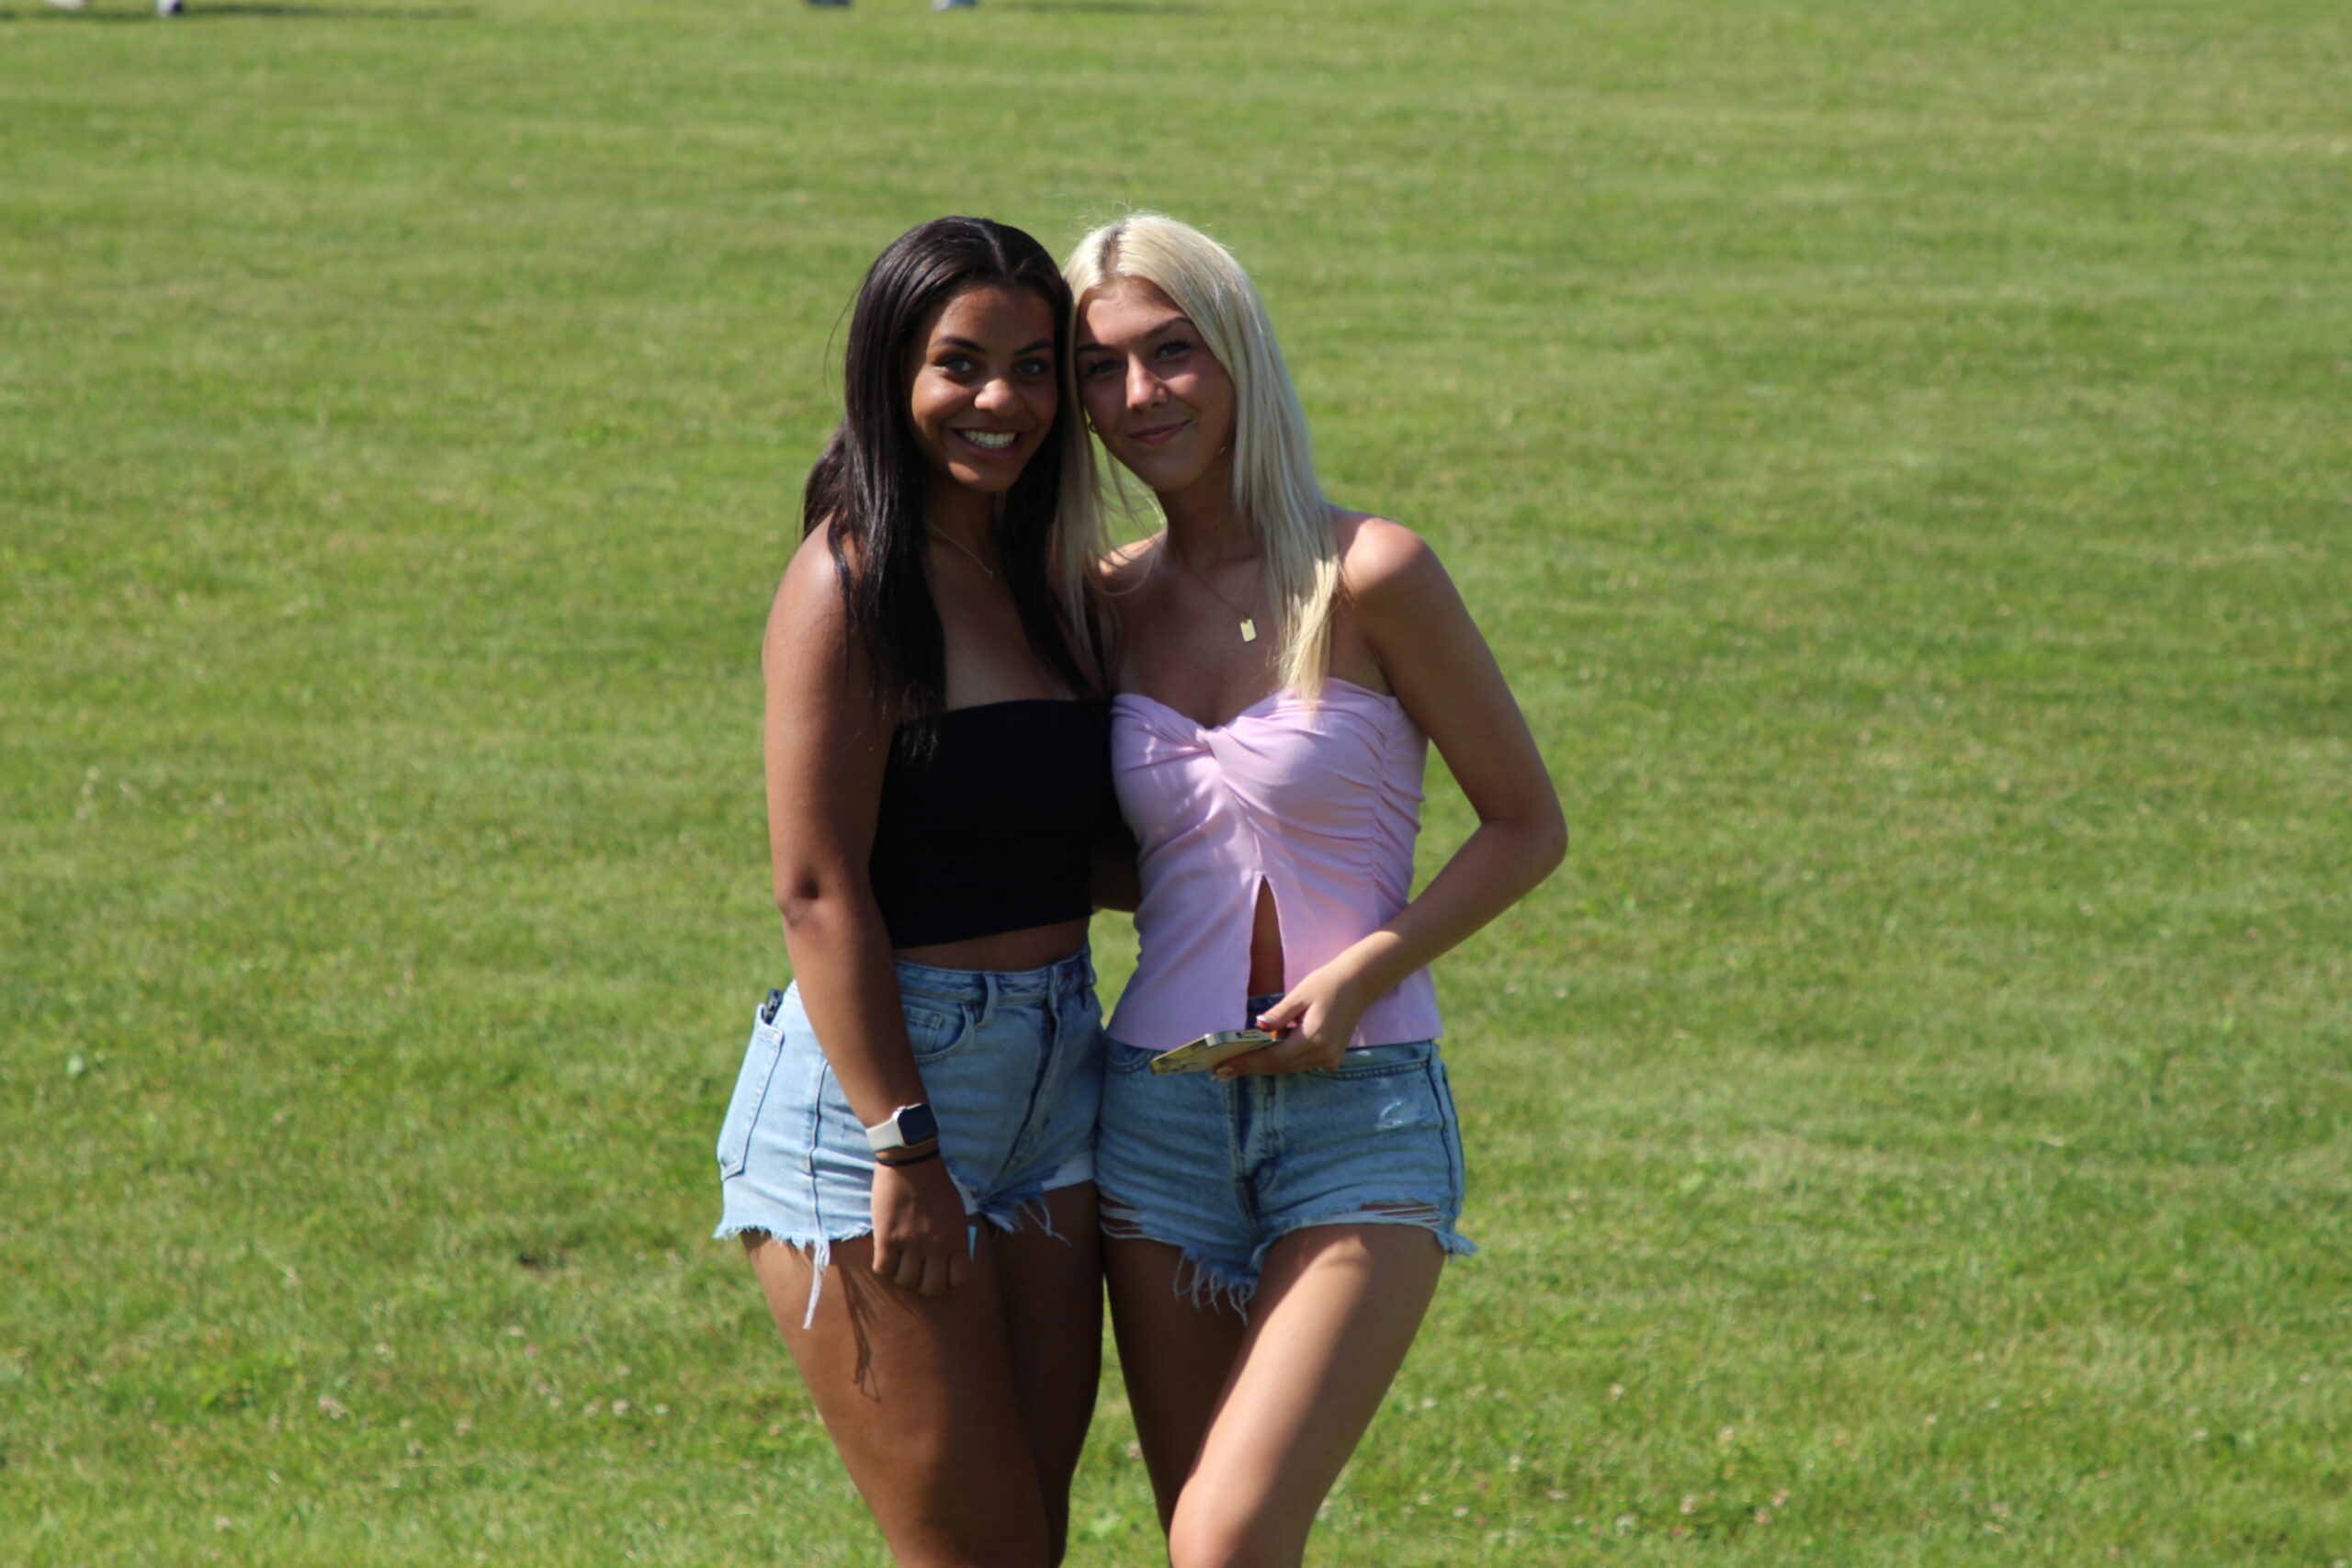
(964,547)
(1248,627)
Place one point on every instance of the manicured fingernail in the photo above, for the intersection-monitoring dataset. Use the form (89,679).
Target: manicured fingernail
(971,1241)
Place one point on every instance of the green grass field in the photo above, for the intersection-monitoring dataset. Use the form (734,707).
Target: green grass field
(1899,448)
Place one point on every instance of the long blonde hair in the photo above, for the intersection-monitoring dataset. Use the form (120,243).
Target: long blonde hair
(1273,461)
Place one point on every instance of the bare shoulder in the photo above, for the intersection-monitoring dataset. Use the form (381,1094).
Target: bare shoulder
(1384,564)
(812,581)
(1125,569)
(809,618)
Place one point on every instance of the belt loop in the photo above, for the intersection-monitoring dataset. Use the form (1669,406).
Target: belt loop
(987,998)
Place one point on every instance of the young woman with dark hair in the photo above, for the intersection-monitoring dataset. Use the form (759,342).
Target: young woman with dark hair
(908,1155)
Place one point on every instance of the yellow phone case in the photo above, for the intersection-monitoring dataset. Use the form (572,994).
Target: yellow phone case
(1210,1049)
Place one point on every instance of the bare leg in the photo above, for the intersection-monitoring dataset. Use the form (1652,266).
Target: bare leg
(920,1396)
(1175,1354)
(1336,1311)
(1053,1310)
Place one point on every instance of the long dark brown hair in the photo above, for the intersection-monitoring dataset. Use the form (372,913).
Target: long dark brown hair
(869,483)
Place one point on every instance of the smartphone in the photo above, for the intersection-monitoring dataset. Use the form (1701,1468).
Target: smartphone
(1210,1049)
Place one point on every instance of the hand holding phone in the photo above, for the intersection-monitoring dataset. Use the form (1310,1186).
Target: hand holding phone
(1209,1050)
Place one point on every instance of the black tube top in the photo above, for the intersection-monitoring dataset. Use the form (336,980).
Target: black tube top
(993,826)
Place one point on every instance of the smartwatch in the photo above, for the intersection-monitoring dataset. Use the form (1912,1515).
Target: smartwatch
(903,1128)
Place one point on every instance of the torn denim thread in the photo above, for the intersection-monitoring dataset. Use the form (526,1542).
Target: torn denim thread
(1012,1063)
(1221,1172)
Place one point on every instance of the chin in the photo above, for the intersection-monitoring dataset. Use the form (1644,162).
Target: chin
(987,484)
(1165,479)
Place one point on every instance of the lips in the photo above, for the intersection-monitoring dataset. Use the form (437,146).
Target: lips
(1157,434)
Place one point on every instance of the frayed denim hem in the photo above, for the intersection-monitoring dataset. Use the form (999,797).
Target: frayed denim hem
(818,1249)
(1021,1209)
(1023,1206)
(1215,1283)
(1005,1213)
(1451,1242)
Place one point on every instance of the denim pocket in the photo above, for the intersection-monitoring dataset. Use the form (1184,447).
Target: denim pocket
(1123,1058)
(936,1026)
(1380,1061)
(760,1057)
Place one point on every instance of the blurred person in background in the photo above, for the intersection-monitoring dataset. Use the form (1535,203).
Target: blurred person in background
(163,7)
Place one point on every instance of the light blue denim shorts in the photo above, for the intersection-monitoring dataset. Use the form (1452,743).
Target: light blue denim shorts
(1221,1171)
(1012,1064)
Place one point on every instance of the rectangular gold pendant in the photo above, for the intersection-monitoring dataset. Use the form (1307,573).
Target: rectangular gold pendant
(1248,629)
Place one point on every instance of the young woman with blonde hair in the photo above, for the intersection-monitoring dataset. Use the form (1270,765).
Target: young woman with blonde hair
(1274,1231)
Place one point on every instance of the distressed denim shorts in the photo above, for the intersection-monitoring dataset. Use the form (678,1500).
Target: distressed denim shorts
(1221,1171)
(1012,1064)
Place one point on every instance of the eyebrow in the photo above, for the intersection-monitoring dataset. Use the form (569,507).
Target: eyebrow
(1042,344)
(1179,320)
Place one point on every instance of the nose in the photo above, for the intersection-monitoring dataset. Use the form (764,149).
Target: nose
(1144,389)
(996,392)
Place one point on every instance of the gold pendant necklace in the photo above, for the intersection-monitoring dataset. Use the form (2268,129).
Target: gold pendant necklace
(965,548)
(1248,627)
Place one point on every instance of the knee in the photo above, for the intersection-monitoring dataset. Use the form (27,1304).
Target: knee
(967,1549)
(993,1555)
(1200,1539)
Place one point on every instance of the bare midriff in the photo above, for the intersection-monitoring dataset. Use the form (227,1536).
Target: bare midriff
(1005,952)
(1302,810)
(1266,948)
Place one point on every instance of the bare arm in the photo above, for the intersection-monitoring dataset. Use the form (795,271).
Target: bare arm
(826,748)
(1417,627)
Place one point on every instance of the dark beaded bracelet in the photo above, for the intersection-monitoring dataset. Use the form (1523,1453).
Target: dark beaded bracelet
(902,1163)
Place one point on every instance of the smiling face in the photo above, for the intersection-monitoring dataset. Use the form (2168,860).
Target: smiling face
(984,385)
(1162,403)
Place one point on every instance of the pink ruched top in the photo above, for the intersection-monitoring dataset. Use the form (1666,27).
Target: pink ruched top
(1320,802)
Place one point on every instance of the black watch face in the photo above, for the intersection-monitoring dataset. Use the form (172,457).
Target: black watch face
(917,1124)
